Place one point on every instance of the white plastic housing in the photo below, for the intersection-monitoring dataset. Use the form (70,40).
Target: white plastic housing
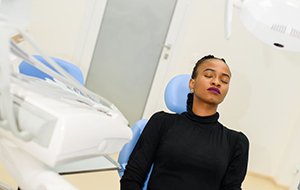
(275,22)
(63,128)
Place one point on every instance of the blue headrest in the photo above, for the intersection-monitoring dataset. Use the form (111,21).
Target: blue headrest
(30,70)
(176,93)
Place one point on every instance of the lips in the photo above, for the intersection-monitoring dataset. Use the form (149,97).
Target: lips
(214,90)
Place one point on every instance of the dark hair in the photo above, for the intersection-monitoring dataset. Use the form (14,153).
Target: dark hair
(189,102)
(203,59)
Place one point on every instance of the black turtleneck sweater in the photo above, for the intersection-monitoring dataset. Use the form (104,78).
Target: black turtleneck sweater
(189,152)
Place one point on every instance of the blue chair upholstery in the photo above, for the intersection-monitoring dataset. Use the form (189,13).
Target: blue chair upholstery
(28,69)
(176,93)
(175,97)
(137,129)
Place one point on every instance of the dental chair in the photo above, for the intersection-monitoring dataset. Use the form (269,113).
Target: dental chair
(30,70)
(175,97)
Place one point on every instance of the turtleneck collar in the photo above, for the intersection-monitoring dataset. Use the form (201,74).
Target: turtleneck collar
(202,119)
(199,119)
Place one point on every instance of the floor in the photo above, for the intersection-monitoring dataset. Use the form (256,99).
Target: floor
(100,180)
(109,180)
(255,182)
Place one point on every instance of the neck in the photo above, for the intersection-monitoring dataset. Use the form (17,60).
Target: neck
(204,109)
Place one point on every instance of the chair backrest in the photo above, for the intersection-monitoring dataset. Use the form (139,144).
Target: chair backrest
(126,150)
(175,97)
(176,93)
(28,69)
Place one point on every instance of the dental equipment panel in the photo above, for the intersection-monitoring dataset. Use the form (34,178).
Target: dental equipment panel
(45,123)
(56,118)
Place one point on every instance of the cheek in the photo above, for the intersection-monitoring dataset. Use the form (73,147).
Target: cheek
(201,83)
(198,86)
(225,91)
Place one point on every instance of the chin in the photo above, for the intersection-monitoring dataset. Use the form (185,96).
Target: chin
(215,102)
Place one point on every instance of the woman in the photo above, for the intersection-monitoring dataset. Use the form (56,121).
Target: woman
(192,150)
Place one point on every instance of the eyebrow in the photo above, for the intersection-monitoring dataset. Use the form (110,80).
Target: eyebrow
(225,74)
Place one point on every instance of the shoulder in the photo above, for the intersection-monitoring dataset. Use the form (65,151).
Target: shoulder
(161,115)
(237,139)
(162,119)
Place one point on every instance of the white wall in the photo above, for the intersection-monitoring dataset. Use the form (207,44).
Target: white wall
(263,99)
(56,26)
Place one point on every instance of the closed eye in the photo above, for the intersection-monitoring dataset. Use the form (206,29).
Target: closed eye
(208,76)
(225,79)
(225,82)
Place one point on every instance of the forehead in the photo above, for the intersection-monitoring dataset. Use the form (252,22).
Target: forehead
(216,65)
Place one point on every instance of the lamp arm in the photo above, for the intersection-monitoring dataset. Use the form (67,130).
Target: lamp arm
(228,18)
(229,5)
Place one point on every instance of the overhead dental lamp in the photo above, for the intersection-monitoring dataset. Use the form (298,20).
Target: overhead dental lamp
(275,22)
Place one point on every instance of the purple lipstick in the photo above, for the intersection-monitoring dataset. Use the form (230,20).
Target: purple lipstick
(214,90)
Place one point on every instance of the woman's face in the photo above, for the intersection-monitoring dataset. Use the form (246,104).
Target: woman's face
(212,82)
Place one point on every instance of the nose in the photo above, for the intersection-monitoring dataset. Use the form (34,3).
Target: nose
(216,82)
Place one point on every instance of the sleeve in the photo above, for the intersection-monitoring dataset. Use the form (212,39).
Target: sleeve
(237,167)
(142,156)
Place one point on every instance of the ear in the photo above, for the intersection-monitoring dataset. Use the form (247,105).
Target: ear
(191,84)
